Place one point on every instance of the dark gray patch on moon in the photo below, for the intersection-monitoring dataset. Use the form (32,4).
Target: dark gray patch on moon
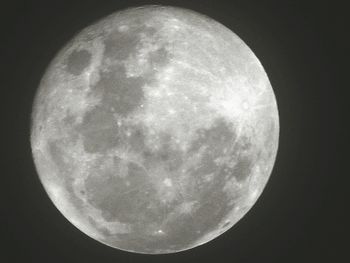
(213,208)
(182,229)
(119,192)
(206,166)
(56,153)
(69,119)
(159,58)
(121,93)
(218,141)
(211,205)
(171,158)
(216,138)
(99,130)
(77,61)
(120,45)
(136,138)
(243,167)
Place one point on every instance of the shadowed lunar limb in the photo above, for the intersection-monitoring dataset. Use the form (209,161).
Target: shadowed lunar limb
(155,130)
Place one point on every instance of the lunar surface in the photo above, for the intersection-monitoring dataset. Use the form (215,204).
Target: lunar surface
(154,130)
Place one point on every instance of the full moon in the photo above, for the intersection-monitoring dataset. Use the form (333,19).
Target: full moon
(154,130)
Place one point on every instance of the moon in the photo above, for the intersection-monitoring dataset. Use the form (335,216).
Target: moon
(154,130)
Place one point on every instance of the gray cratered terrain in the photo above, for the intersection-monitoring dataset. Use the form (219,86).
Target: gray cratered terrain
(154,130)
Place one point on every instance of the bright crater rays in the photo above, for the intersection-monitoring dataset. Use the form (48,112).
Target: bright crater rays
(155,130)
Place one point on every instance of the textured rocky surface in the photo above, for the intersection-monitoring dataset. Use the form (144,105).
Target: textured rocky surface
(155,130)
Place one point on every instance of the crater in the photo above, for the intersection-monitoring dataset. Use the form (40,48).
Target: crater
(77,61)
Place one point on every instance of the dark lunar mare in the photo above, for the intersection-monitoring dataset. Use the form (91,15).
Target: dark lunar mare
(99,130)
(123,196)
(208,212)
(120,95)
(77,61)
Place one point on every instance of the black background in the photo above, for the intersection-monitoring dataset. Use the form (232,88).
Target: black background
(300,217)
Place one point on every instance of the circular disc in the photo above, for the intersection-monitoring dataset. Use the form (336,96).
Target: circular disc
(155,130)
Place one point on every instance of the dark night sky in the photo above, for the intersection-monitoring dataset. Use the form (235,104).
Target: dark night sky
(300,217)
